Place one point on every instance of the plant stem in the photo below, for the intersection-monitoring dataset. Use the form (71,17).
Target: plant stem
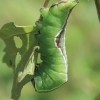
(45,5)
(97,3)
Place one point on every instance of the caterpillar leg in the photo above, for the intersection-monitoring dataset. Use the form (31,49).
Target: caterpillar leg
(32,80)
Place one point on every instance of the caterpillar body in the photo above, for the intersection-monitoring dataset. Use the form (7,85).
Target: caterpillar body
(52,71)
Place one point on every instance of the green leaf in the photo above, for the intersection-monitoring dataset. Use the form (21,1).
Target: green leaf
(24,46)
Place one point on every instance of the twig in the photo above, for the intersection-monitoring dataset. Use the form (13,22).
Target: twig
(97,3)
(45,5)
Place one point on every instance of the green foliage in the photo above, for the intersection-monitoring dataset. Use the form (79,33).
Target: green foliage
(82,45)
(23,70)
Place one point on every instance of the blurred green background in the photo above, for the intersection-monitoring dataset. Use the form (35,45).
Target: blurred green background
(82,45)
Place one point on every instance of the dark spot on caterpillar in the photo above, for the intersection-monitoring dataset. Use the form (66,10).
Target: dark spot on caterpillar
(10,62)
(37,34)
(33,82)
(38,31)
(37,66)
(41,8)
(36,49)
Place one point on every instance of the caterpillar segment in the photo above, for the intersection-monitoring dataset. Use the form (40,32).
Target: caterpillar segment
(51,73)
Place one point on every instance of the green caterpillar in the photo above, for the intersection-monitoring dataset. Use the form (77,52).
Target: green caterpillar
(52,72)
